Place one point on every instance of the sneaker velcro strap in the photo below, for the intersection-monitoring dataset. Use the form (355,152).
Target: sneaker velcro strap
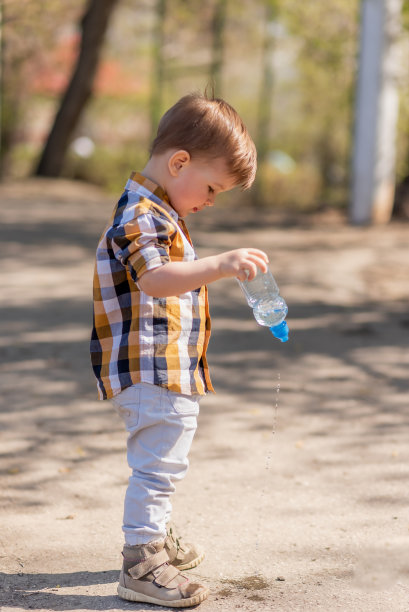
(170,547)
(144,567)
(166,576)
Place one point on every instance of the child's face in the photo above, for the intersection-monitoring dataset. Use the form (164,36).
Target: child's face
(196,183)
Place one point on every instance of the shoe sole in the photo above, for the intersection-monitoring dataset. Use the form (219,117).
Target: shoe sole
(130,595)
(191,564)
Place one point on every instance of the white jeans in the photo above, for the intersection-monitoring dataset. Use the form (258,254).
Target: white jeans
(161,425)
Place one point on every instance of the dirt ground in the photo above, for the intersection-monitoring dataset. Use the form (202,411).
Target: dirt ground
(298,482)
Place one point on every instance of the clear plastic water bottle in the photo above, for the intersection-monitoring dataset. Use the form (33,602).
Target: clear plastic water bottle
(269,308)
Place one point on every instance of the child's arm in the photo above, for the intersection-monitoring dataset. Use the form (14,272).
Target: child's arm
(175,277)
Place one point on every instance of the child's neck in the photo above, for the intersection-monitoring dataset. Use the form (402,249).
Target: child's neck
(155,171)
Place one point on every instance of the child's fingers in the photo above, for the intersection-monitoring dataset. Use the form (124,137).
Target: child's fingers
(244,263)
(250,270)
(250,260)
(259,254)
(260,262)
(243,274)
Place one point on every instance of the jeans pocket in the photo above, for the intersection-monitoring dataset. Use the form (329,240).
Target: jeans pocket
(184,404)
(127,405)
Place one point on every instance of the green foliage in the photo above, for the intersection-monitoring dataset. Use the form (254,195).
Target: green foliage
(108,167)
(298,189)
(402,145)
(21,160)
(317,128)
(405,15)
(311,59)
(29,32)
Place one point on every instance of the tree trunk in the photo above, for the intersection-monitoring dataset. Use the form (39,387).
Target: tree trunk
(94,25)
(376,113)
(218,27)
(265,100)
(2,148)
(1,80)
(158,72)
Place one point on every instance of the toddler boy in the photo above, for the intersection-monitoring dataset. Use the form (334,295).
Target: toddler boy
(152,327)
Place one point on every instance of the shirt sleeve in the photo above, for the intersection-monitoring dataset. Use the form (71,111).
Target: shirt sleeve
(143,243)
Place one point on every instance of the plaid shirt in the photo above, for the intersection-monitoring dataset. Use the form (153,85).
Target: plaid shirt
(136,337)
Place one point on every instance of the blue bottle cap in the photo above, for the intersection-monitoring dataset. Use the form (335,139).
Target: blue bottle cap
(280,331)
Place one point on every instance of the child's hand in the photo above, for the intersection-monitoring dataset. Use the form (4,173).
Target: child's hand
(242,263)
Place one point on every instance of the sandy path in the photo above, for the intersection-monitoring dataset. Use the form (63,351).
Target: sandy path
(298,485)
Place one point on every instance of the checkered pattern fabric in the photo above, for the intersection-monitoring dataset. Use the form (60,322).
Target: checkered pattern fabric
(136,337)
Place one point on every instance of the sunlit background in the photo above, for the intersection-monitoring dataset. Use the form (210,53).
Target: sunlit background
(288,67)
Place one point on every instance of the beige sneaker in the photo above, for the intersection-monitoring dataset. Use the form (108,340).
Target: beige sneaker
(146,576)
(181,554)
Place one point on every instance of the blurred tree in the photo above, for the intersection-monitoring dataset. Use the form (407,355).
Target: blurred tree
(401,203)
(317,122)
(1,80)
(28,33)
(308,55)
(265,101)
(265,104)
(373,184)
(201,27)
(94,24)
(158,72)
(10,97)
(217,28)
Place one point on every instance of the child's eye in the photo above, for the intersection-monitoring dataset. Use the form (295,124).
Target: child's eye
(211,190)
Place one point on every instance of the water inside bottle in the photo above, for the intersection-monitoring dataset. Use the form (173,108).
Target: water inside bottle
(270,312)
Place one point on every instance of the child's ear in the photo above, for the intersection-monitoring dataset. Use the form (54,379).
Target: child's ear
(177,161)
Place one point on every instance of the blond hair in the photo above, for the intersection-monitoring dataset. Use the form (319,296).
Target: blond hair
(208,127)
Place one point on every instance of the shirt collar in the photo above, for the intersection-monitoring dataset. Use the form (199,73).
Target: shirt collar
(148,189)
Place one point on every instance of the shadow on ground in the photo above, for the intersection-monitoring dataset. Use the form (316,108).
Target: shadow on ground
(336,393)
